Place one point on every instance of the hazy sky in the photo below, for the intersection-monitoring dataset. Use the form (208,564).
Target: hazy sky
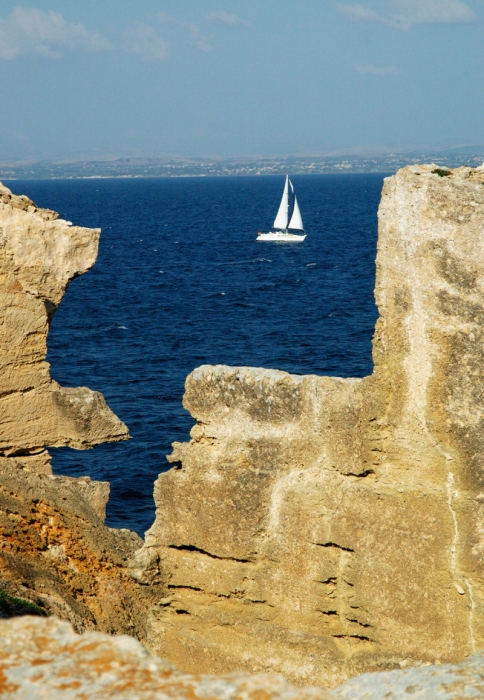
(238,77)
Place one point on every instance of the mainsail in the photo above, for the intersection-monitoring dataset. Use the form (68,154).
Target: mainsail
(283,213)
(296,220)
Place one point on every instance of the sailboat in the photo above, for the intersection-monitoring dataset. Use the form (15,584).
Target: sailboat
(287,218)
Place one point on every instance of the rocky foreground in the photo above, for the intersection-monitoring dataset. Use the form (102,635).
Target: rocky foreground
(46,660)
(316,527)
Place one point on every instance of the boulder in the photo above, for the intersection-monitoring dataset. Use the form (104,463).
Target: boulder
(447,682)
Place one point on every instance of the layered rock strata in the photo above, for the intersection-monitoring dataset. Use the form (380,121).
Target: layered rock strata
(321,527)
(55,549)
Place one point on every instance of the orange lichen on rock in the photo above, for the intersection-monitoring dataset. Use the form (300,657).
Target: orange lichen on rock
(44,658)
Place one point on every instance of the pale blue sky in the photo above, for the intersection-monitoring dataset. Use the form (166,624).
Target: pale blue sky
(238,77)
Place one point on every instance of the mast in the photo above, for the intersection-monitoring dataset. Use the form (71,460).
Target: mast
(282,217)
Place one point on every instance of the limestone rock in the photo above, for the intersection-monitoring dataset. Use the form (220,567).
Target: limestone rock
(323,527)
(55,549)
(39,256)
(42,659)
(448,682)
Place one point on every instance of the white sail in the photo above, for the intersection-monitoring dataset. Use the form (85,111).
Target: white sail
(296,220)
(282,215)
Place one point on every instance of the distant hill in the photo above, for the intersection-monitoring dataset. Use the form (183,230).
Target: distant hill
(203,167)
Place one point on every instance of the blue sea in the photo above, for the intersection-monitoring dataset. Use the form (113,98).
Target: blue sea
(181,281)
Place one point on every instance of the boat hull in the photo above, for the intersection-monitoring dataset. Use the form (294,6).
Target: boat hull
(281,237)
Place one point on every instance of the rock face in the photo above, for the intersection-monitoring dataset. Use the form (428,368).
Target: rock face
(39,256)
(42,659)
(54,547)
(322,527)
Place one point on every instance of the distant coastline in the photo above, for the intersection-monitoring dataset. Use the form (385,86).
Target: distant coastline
(230,167)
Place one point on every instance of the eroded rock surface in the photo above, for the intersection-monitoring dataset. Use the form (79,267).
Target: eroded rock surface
(39,255)
(447,682)
(55,549)
(322,527)
(42,659)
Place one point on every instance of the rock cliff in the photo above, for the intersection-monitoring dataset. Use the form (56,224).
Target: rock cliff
(54,547)
(322,527)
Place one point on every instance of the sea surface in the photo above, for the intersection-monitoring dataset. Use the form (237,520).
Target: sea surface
(181,281)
